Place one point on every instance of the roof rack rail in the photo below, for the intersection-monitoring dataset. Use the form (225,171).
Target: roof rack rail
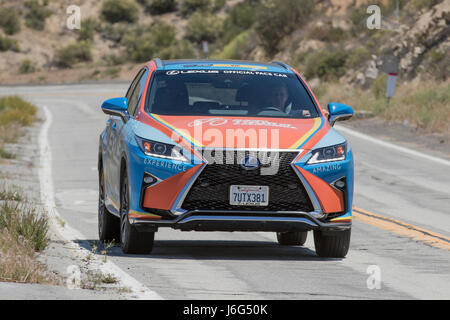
(284,65)
(159,63)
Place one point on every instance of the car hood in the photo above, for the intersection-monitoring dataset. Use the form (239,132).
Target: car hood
(242,132)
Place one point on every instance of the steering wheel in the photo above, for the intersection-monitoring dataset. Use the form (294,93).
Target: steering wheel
(271,109)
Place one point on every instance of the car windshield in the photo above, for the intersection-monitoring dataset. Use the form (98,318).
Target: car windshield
(229,93)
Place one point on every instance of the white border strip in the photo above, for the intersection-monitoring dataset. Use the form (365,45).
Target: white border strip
(392,146)
(138,290)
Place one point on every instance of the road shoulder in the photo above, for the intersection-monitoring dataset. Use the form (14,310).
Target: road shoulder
(417,139)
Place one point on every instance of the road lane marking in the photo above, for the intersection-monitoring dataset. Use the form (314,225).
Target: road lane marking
(402,228)
(392,146)
(70,234)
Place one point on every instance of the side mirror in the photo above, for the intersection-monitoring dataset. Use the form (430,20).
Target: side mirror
(339,112)
(116,107)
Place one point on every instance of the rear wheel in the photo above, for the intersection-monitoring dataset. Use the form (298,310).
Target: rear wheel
(332,246)
(131,240)
(108,224)
(292,238)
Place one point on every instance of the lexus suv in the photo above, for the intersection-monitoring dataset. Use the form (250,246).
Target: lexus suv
(209,145)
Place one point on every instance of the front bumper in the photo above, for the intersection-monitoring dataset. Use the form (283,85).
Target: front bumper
(209,220)
(330,210)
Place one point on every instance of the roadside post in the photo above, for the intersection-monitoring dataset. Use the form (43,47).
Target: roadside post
(390,85)
(205,48)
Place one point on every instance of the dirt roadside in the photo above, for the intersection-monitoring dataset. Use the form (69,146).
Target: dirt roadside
(78,275)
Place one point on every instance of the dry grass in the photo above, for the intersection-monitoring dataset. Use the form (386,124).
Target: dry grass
(23,233)
(23,228)
(15,114)
(18,261)
(22,220)
(10,193)
(425,105)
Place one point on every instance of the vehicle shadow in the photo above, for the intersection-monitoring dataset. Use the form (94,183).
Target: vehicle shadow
(214,250)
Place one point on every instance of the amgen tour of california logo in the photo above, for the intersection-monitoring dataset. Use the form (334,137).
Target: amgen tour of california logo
(238,122)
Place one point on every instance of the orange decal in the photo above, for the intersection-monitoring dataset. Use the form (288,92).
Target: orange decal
(163,194)
(330,199)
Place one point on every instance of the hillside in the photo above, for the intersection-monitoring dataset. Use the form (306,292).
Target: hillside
(323,39)
(326,40)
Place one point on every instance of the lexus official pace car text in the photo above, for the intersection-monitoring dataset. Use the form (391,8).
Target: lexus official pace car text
(224,146)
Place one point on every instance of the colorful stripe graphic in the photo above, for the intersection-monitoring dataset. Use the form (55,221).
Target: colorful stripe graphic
(182,134)
(316,127)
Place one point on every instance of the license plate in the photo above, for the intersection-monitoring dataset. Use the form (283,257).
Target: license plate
(249,195)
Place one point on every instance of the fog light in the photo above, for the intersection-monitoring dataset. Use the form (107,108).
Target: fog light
(149,179)
(340,184)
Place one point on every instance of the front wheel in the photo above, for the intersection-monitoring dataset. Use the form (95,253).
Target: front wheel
(108,224)
(131,240)
(292,238)
(332,246)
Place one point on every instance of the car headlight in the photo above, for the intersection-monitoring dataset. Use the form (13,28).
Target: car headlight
(160,149)
(328,154)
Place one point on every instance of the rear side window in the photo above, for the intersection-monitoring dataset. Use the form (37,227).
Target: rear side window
(229,93)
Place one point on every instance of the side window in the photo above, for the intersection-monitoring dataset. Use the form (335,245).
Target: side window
(140,88)
(136,94)
(133,85)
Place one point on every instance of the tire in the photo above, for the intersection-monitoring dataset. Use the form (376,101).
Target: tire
(108,224)
(292,238)
(131,240)
(332,246)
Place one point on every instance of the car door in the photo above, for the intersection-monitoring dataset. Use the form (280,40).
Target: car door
(118,141)
(112,143)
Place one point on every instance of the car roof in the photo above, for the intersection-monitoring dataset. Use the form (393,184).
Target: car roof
(222,65)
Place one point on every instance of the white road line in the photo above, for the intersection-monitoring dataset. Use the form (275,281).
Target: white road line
(67,232)
(392,146)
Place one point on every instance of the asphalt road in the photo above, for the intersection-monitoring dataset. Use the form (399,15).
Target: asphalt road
(205,265)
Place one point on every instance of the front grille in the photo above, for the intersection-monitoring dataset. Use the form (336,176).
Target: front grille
(211,190)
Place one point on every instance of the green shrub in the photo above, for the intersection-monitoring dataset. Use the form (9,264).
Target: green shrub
(357,57)
(218,4)
(10,20)
(115,32)
(15,109)
(239,19)
(27,66)
(143,43)
(203,26)
(23,221)
(88,29)
(180,49)
(277,18)
(379,86)
(114,60)
(327,33)
(160,6)
(326,64)
(188,7)
(36,15)
(416,5)
(73,54)
(239,48)
(6,43)
(119,10)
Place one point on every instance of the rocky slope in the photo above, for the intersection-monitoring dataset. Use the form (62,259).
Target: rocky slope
(415,42)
